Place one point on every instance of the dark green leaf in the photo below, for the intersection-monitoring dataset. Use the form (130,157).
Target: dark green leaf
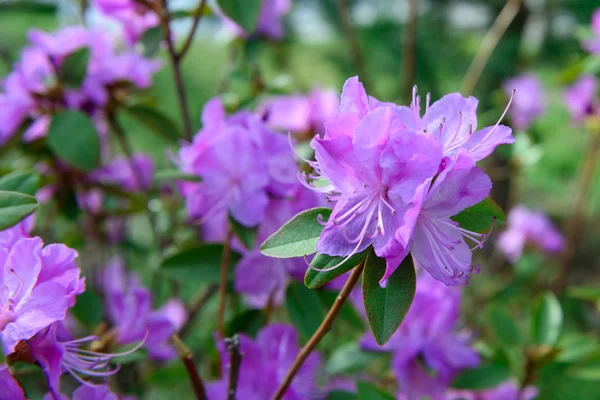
(341,395)
(200,264)
(167,175)
(547,321)
(21,182)
(588,369)
(155,120)
(151,40)
(88,309)
(249,321)
(480,217)
(73,138)
(304,308)
(349,358)
(168,376)
(387,307)
(314,279)
(584,293)
(368,391)
(74,67)
(504,327)
(14,207)
(246,235)
(297,237)
(243,12)
(483,377)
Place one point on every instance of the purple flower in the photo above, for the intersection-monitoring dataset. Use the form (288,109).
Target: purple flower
(129,306)
(581,98)
(270,20)
(593,45)
(527,227)
(528,104)
(38,284)
(508,390)
(87,392)
(242,164)
(126,173)
(134,17)
(265,362)
(15,105)
(9,387)
(428,353)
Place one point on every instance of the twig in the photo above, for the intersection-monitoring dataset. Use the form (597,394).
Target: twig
(190,38)
(576,221)
(408,53)
(357,55)
(224,276)
(235,360)
(321,332)
(197,305)
(188,360)
(488,44)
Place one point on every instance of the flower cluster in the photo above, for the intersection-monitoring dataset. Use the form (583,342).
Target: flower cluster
(397,178)
(592,45)
(136,17)
(529,228)
(428,352)
(529,103)
(270,20)
(581,98)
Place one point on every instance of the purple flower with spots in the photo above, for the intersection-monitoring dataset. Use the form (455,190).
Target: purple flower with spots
(270,20)
(242,164)
(529,100)
(529,228)
(37,284)
(265,362)
(9,387)
(581,98)
(427,351)
(508,390)
(592,45)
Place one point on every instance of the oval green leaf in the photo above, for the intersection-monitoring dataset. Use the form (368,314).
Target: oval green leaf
(368,391)
(315,279)
(14,207)
(480,217)
(483,377)
(387,307)
(200,264)
(297,237)
(547,321)
(505,329)
(304,308)
(74,67)
(73,138)
(243,12)
(21,182)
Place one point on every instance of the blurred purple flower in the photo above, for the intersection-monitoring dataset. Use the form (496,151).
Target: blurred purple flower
(527,227)
(581,98)
(129,307)
(593,45)
(9,387)
(508,390)
(97,392)
(38,284)
(126,173)
(529,100)
(270,20)
(16,104)
(265,362)
(135,17)
(428,353)
(242,164)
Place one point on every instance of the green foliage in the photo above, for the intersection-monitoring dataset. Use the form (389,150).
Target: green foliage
(483,377)
(151,40)
(314,278)
(304,308)
(201,264)
(73,138)
(349,358)
(156,120)
(547,321)
(246,235)
(387,307)
(88,309)
(14,207)
(168,175)
(243,12)
(480,217)
(505,329)
(297,237)
(20,181)
(368,391)
(74,67)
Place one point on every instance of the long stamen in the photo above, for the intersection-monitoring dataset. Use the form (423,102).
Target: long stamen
(425,117)
(363,231)
(338,264)
(499,120)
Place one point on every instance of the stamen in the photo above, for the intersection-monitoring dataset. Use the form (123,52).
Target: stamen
(425,117)
(499,120)
(320,220)
(338,264)
(291,143)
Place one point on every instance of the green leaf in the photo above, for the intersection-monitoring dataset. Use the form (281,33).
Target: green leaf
(315,279)
(587,370)
(88,309)
(387,307)
(151,40)
(584,293)
(297,237)
(349,358)
(347,314)
(243,12)
(74,67)
(14,207)
(155,120)
(304,308)
(21,182)
(576,347)
(246,235)
(73,138)
(483,377)
(480,217)
(249,321)
(341,395)
(505,329)
(368,391)
(547,321)
(167,175)
(200,264)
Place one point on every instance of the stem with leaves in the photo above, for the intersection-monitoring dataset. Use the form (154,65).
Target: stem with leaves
(188,361)
(322,331)
(235,360)
(224,277)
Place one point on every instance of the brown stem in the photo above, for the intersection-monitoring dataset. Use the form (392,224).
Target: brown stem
(235,360)
(196,306)
(190,37)
(408,53)
(321,332)
(188,360)
(576,221)
(357,55)
(488,44)
(223,283)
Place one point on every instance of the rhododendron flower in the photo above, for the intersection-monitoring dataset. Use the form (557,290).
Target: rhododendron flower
(508,390)
(428,352)
(581,98)
(525,227)
(129,306)
(265,362)
(270,20)
(87,392)
(529,100)
(241,162)
(126,173)
(135,17)
(38,284)
(592,45)
(9,387)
